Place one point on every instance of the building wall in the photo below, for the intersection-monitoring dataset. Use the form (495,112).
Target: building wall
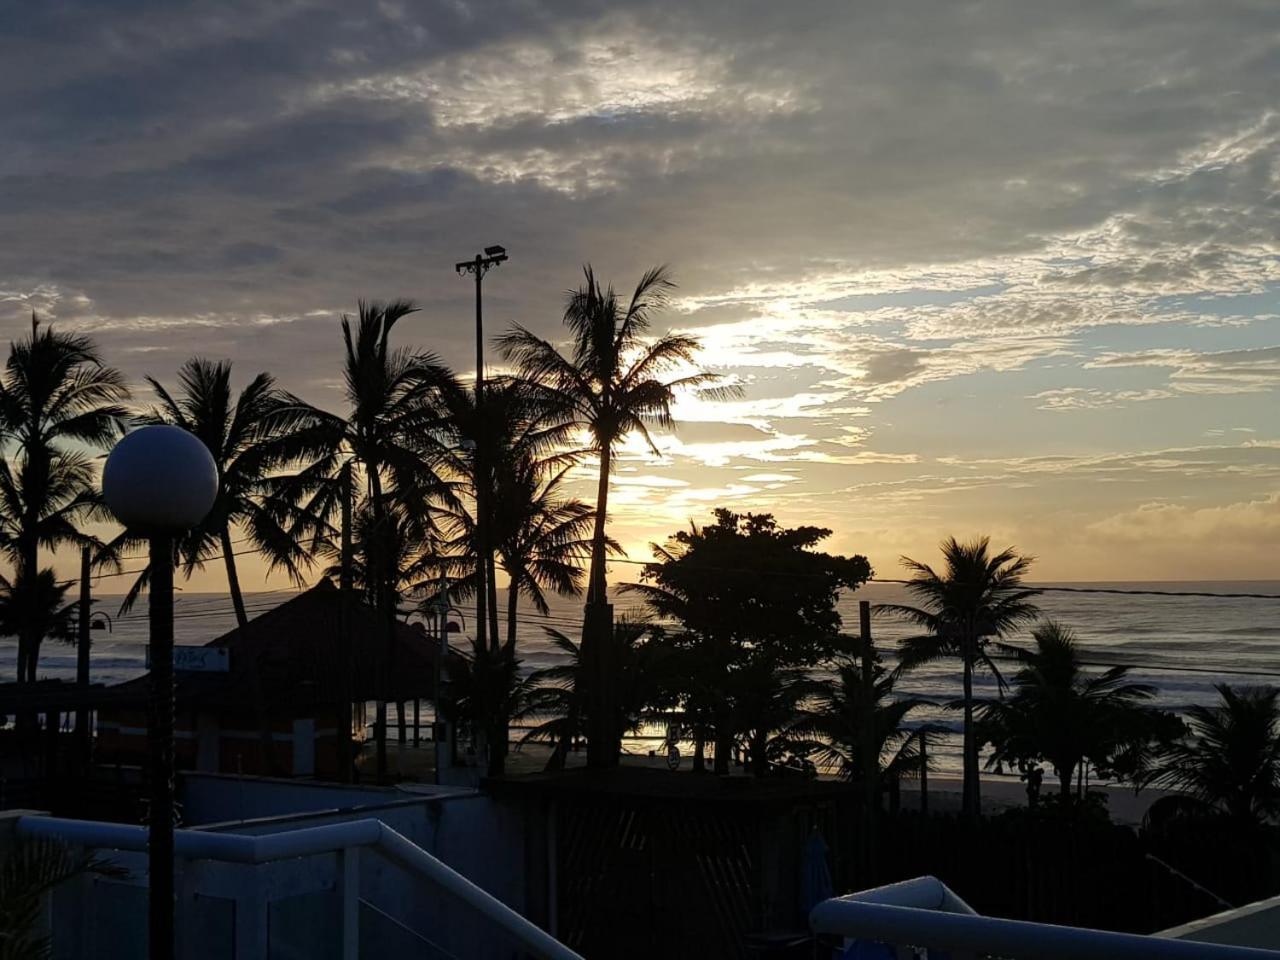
(483,840)
(237,746)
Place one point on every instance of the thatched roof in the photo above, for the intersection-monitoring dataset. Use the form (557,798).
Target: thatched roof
(296,648)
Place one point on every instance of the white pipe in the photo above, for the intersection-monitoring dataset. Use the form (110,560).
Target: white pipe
(413,858)
(925,893)
(1007,938)
(199,845)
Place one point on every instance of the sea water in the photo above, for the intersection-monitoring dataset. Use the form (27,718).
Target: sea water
(1182,645)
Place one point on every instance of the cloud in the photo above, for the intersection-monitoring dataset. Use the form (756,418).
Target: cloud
(1223,372)
(1252,523)
(1088,398)
(910,232)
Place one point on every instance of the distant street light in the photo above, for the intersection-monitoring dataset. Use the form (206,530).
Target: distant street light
(486,594)
(160,480)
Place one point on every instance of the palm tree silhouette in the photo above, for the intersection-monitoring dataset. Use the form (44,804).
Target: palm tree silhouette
(835,719)
(979,597)
(37,607)
(56,394)
(542,545)
(526,439)
(241,433)
(1062,713)
(540,534)
(611,383)
(1232,759)
(555,694)
(386,438)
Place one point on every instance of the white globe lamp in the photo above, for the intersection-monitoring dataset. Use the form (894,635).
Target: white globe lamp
(160,481)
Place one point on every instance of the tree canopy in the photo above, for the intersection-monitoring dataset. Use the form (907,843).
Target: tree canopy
(758,586)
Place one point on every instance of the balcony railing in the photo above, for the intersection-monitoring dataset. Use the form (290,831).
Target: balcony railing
(911,918)
(340,845)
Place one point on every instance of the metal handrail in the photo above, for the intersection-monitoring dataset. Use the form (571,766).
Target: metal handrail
(874,916)
(408,930)
(308,841)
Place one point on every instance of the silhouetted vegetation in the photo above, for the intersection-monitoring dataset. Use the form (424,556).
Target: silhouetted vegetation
(743,653)
(979,597)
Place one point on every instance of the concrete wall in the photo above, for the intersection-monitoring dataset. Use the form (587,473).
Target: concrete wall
(482,840)
(1253,925)
(209,798)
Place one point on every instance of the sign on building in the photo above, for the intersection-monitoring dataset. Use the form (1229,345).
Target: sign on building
(198,659)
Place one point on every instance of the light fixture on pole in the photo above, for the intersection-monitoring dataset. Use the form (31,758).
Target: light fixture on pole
(486,590)
(160,481)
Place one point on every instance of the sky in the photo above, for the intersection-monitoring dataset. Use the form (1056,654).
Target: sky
(1005,268)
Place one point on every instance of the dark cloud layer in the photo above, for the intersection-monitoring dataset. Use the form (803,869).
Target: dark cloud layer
(861,200)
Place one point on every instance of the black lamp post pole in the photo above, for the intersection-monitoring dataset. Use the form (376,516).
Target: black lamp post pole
(160,732)
(486,594)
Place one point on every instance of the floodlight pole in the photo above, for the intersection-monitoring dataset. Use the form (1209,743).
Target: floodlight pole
(478,267)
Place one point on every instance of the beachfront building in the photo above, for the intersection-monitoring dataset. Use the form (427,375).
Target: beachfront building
(299,691)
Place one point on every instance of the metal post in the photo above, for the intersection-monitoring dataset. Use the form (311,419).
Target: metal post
(84,735)
(349,890)
(482,527)
(160,723)
(924,773)
(870,748)
(346,759)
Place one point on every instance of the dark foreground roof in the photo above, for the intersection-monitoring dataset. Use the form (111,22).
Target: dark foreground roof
(296,646)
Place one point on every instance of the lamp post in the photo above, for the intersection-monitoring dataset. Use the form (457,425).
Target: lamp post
(486,590)
(161,481)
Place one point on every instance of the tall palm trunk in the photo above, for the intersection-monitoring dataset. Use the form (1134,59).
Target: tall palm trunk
(491,585)
(603,742)
(597,587)
(499,724)
(513,602)
(256,694)
(971,801)
(29,638)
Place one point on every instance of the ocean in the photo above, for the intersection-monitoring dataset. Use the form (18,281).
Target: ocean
(1182,645)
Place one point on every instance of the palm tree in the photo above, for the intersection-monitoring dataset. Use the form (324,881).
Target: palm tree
(766,701)
(538,532)
(30,870)
(485,685)
(981,596)
(526,438)
(241,433)
(611,382)
(836,718)
(1062,713)
(1232,760)
(555,695)
(402,544)
(56,397)
(393,411)
(37,608)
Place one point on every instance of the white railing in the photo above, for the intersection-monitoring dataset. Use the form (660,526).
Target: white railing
(344,839)
(923,913)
